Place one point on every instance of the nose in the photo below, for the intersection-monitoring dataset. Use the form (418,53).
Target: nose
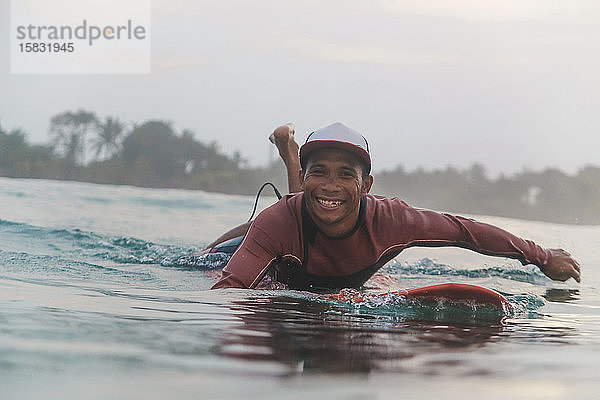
(331,183)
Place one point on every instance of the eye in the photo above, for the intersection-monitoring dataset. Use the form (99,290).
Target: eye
(347,174)
(318,171)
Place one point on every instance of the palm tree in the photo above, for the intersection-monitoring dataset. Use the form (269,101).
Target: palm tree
(68,132)
(109,137)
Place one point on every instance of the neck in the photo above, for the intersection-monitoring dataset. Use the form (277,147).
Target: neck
(338,231)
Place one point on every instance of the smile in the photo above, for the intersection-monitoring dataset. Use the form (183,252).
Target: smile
(330,203)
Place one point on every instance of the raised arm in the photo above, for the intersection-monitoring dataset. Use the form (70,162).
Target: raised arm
(283,138)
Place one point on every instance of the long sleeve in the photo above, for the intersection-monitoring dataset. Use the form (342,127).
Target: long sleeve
(250,262)
(273,235)
(389,227)
(429,228)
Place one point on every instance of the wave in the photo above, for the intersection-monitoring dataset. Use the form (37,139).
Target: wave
(43,267)
(202,261)
(428,267)
(76,244)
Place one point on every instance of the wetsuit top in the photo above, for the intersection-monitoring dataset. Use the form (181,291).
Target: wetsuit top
(285,243)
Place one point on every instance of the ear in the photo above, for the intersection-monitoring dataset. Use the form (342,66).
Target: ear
(301,178)
(366,185)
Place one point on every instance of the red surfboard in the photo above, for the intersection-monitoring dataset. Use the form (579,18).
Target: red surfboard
(453,292)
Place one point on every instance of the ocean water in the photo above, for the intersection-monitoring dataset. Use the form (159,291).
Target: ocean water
(99,299)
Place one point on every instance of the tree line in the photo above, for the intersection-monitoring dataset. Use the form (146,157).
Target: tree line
(152,154)
(86,148)
(549,195)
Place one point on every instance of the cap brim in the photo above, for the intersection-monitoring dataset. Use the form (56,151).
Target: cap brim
(308,148)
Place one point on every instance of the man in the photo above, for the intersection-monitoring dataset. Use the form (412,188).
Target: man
(334,234)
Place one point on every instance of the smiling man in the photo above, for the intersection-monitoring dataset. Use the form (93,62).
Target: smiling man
(334,234)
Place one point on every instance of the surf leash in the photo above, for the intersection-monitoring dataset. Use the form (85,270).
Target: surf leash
(279,196)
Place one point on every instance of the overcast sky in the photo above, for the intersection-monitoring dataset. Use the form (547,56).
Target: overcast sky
(506,83)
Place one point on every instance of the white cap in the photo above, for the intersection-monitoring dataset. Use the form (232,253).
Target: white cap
(339,136)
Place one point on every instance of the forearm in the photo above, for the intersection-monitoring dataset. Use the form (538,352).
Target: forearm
(437,229)
(250,261)
(293,175)
(495,241)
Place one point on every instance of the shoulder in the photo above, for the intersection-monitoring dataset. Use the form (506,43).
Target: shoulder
(380,205)
(277,228)
(286,210)
(392,212)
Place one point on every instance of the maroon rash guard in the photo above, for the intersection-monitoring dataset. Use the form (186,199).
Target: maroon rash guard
(284,239)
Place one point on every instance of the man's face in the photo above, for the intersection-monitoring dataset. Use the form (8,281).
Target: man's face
(333,185)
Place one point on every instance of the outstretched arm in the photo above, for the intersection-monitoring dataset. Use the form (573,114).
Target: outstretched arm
(429,228)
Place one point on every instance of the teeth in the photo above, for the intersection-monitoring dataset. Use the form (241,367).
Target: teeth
(330,203)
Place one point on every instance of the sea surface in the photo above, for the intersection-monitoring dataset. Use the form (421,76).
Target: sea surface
(100,299)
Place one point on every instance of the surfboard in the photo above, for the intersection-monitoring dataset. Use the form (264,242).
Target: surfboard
(228,247)
(449,292)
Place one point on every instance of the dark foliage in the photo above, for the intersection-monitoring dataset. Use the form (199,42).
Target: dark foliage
(154,155)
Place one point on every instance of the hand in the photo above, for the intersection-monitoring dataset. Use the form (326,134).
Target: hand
(562,266)
(282,134)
